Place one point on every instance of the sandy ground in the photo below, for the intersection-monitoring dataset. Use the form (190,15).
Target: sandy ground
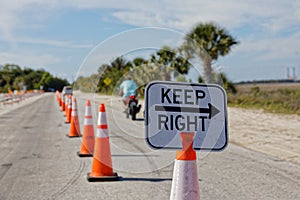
(273,134)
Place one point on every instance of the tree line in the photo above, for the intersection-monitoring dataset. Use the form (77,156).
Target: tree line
(13,77)
(206,41)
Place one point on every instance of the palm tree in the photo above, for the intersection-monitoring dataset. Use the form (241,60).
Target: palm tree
(208,41)
(139,61)
(120,64)
(169,60)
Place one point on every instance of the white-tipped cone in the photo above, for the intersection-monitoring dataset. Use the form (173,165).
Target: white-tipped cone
(185,185)
(185,180)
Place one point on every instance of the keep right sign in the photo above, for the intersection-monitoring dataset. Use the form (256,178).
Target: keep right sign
(173,107)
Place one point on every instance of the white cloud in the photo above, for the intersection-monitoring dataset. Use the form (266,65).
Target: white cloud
(28,59)
(272,48)
(267,14)
(275,23)
(55,43)
(174,13)
(232,14)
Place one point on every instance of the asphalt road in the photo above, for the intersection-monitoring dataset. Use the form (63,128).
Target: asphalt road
(38,161)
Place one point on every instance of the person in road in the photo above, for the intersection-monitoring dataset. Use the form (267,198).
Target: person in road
(127,88)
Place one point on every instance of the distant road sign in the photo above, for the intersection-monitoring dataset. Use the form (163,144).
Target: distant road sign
(173,107)
(107,81)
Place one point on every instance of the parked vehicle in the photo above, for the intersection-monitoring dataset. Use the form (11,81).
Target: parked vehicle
(67,90)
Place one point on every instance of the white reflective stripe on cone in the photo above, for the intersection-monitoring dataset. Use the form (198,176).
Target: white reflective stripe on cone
(88,111)
(102,133)
(74,106)
(74,112)
(88,121)
(101,118)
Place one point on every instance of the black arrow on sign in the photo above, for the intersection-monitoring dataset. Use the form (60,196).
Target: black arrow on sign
(211,110)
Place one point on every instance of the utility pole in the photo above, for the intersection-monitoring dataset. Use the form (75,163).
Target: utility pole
(294,74)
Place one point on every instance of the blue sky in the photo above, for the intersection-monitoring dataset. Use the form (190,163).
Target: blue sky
(59,35)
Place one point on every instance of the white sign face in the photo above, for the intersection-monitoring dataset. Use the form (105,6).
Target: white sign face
(173,107)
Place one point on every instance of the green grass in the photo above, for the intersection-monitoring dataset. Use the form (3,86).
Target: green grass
(281,100)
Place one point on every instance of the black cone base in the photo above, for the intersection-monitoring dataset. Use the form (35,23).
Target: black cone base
(115,177)
(73,136)
(84,155)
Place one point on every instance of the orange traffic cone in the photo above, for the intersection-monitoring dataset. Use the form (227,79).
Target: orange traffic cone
(69,113)
(57,96)
(66,105)
(63,103)
(185,176)
(88,138)
(60,101)
(102,162)
(74,126)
